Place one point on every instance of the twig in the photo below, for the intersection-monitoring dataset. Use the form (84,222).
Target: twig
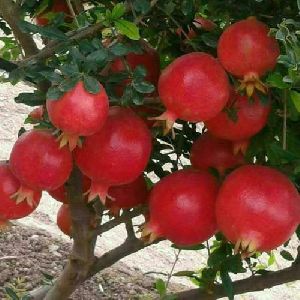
(73,12)
(173,267)
(284,129)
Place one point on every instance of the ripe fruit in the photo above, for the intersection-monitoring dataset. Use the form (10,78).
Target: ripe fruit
(210,152)
(182,208)
(63,220)
(38,162)
(258,208)
(252,116)
(149,60)
(117,154)
(246,50)
(127,195)
(60,194)
(58,6)
(10,208)
(194,88)
(78,113)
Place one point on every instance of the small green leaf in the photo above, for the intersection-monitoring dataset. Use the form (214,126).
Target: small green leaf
(69,69)
(128,28)
(187,7)
(195,247)
(31,99)
(52,76)
(161,287)
(98,56)
(295,96)
(67,84)
(42,7)
(118,11)
(119,49)
(139,72)
(184,274)
(91,84)
(227,284)
(142,6)
(54,93)
(276,80)
(11,294)
(143,87)
(286,255)
(271,259)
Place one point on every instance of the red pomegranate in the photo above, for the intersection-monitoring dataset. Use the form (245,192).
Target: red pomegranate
(182,208)
(246,50)
(60,194)
(252,116)
(194,87)
(78,113)
(37,113)
(11,208)
(211,152)
(63,220)
(38,162)
(58,6)
(117,154)
(127,195)
(258,208)
(149,60)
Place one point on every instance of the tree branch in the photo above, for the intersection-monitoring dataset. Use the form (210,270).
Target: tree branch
(10,12)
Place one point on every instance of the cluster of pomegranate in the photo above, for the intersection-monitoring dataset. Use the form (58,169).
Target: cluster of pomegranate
(255,207)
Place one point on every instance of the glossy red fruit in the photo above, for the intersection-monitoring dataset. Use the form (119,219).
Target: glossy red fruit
(149,60)
(60,194)
(58,6)
(127,195)
(182,208)
(117,154)
(194,88)
(63,220)
(246,50)
(252,116)
(38,162)
(78,113)
(258,208)
(9,208)
(211,152)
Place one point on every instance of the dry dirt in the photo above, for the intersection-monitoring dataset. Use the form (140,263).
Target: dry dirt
(158,258)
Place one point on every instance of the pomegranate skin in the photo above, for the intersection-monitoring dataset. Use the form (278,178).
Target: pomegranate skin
(38,162)
(245,48)
(149,60)
(258,207)
(182,207)
(128,195)
(252,116)
(117,154)
(194,87)
(9,185)
(63,220)
(78,112)
(211,152)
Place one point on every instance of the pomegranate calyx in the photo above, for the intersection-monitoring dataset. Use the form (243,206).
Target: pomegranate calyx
(240,146)
(98,189)
(245,247)
(24,194)
(148,236)
(250,83)
(166,120)
(71,140)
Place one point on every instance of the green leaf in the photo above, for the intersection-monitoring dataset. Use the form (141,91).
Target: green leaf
(31,99)
(227,284)
(271,259)
(67,84)
(119,49)
(142,6)
(98,56)
(54,93)
(46,31)
(69,69)
(128,28)
(118,11)
(195,247)
(276,80)
(286,255)
(42,7)
(187,7)
(139,72)
(91,84)
(52,76)
(143,87)
(295,96)
(11,293)
(184,274)
(161,287)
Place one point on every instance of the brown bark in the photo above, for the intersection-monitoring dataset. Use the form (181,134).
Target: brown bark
(10,12)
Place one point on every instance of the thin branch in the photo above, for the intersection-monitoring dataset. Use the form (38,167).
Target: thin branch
(70,5)
(129,228)
(173,267)
(11,13)
(78,6)
(284,128)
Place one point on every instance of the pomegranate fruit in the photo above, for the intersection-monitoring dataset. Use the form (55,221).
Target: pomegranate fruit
(78,113)
(63,220)
(182,208)
(60,194)
(258,208)
(194,87)
(127,195)
(149,60)
(57,6)
(38,162)
(211,152)
(252,116)
(117,154)
(37,113)
(10,208)
(246,50)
